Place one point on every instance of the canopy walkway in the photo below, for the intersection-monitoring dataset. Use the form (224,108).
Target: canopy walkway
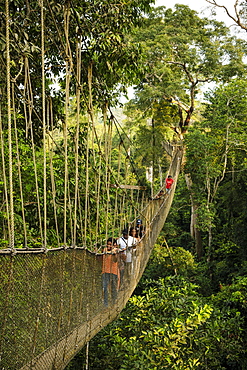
(52,301)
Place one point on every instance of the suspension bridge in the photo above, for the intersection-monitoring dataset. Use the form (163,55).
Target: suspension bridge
(52,299)
(68,182)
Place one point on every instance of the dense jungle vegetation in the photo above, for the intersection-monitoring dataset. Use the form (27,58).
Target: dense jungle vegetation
(189,309)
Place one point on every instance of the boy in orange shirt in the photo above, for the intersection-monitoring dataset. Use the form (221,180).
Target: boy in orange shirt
(110,271)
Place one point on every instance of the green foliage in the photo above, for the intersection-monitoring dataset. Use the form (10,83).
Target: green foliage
(183,51)
(101,27)
(169,327)
(167,324)
(215,149)
(164,262)
(177,226)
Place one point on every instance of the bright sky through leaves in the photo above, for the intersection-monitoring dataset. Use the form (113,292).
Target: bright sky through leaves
(205,9)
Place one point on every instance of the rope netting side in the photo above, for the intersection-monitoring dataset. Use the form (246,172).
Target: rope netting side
(10,153)
(42,13)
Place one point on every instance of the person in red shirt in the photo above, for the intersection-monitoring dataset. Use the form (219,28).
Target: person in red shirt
(169,182)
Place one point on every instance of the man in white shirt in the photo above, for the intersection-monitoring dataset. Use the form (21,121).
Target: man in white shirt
(126,240)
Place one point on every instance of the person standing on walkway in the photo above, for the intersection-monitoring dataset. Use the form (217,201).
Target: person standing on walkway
(126,244)
(169,182)
(140,231)
(110,272)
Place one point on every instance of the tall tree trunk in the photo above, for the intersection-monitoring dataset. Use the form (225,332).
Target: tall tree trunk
(194,230)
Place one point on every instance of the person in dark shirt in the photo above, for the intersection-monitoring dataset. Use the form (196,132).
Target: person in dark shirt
(133,233)
(139,229)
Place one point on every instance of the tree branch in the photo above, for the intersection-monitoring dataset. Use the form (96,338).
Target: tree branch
(236,19)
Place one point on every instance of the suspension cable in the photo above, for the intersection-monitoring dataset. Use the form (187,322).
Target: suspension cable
(29,125)
(19,168)
(43,119)
(67,77)
(87,149)
(4,171)
(53,186)
(11,197)
(78,95)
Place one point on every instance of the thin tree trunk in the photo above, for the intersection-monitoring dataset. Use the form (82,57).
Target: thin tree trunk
(194,231)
